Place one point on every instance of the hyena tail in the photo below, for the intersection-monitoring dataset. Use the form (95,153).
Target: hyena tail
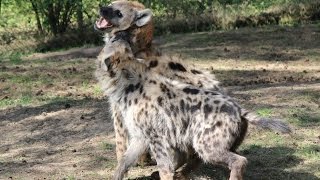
(265,123)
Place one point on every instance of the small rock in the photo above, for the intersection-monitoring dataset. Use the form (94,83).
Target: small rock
(305,71)
(74,165)
(24,161)
(82,117)
(40,92)
(5,97)
(74,150)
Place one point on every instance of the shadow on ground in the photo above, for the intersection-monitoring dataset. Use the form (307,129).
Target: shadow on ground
(264,163)
(267,44)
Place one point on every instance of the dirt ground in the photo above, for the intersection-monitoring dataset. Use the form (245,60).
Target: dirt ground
(63,129)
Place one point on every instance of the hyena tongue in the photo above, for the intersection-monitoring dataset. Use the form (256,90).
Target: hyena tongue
(102,23)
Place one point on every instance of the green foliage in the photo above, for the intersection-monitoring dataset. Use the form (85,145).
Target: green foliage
(68,23)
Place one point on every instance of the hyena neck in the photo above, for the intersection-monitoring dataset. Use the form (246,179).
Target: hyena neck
(140,40)
(129,75)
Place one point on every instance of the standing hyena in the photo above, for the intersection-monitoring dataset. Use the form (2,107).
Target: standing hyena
(132,21)
(167,115)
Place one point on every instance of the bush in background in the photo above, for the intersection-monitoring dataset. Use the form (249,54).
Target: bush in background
(46,25)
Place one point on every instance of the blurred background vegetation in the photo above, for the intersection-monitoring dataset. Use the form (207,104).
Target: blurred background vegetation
(46,25)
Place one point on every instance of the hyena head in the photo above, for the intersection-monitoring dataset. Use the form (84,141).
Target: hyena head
(115,56)
(127,16)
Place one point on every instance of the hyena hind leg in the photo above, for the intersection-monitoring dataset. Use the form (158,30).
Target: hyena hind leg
(235,163)
(164,156)
(137,146)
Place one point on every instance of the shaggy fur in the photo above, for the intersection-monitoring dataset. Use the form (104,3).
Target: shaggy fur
(167,115)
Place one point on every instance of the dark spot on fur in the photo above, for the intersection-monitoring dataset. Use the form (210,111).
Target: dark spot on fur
(112,74)
(216,102)
(177,67)
(131,88)
(226,108)
(182,106)
(219,123)
(190,91)
(160,101)
(195,71)
(153,64)
(207,109)
(141,89)
(152,82)
(195,107)
(136,101)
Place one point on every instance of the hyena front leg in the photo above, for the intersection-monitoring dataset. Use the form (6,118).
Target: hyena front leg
(121,137)
(137,146)
(121,133)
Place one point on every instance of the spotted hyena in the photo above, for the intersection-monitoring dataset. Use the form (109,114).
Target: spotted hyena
(121,18)
(166,115)
(131,21)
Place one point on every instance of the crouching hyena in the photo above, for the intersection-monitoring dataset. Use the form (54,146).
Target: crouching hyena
(166,115)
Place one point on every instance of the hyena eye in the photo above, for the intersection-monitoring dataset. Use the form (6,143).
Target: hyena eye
(119,14)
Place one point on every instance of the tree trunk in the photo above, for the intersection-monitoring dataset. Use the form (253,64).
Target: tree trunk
(80,15)
(0,6)
(37,16)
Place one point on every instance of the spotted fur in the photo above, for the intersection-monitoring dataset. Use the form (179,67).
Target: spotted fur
(167,115)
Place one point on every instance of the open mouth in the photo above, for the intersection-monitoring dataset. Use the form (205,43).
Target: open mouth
(103,24)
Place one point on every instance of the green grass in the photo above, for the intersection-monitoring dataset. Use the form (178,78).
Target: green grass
(40,81)
(304,118)
(265,112)
(70,177)
(107,146)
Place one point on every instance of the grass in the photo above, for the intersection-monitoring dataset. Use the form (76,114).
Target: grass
(265,112)
(107,146)
(272,71)
(40,81)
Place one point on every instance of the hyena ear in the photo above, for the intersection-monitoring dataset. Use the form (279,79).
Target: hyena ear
(143,17)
